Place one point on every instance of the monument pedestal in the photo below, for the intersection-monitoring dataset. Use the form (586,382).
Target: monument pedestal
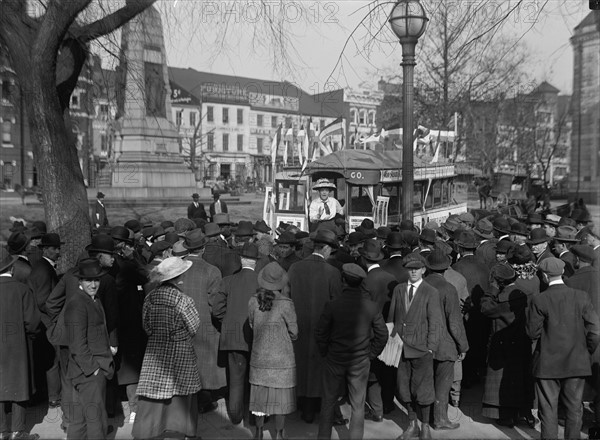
(148,163)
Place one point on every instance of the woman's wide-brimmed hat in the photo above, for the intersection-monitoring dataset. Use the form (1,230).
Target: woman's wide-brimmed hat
(323,184)
(272,277)
(171,268)
(89,268)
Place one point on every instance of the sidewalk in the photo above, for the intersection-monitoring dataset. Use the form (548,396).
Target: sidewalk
(216,425)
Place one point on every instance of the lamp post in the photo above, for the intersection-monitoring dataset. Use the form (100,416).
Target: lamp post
(408,21)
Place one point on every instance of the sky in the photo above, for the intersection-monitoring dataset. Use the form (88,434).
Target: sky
(320,29)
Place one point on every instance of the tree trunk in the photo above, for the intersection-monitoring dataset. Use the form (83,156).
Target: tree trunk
(63,194)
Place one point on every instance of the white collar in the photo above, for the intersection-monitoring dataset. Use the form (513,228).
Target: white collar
(417,284)
(373,266)
(52,263)
(319,255)
(6,274)
(555,282)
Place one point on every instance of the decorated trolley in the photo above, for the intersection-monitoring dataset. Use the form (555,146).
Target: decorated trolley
(368,185)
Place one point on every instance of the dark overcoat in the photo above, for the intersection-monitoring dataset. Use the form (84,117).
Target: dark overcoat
(570,261)
(313,283)
(89,347)
(286,262)
(230,305)
(19,321)
(42,280)
(566,329)
(132,337)
(107,292)
(508,382)
(200,282)
(211,208)
(196,212)
(486,252)
(22,270)
(219,255)
(453,338)
(99,215)
(379,285)
(588,279)
(66,288)
(394,266)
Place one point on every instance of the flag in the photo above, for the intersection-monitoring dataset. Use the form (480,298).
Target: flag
(299,140)
(326,149)
(315,146)
(310,146)
(305,150)
(289,137)
(336,127)
(383,134)
(275,144)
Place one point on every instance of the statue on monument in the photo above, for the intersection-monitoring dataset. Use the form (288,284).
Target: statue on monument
(155,90)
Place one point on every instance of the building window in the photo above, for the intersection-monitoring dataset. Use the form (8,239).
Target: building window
(193,119)
(225,115)
(103,111)
(361,119)
(274,121)
(178,117)
(353,116)
(6,132)
(6,90)
(210,117)
(259,120)
(240,142)
(259,145)
(225,141)
(240,116)
(321,124)
(371,118)
(288,122)
(103,145)
(210,141)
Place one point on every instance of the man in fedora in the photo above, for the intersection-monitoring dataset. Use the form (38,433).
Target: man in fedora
(538,242)
(35,234)
(416,314)
(230,307)
(285,250)
(17,245)
(20,314)
(590,238)
(427,241)
(196,209)
(244,233)
(218,253)
(487,243)
(313,283)
(350,334)
(397,247)
(477,326)
(218,206)
(99,218)
(200,282)
(379,286)
(263,239)
(565,328)
(325,207)
(43,280)
(563,240)
(453,338)
(90,362)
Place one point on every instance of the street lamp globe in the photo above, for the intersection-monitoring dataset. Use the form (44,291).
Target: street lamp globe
(408,20)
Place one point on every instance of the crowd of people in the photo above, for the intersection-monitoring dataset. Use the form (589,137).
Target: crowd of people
(286,320)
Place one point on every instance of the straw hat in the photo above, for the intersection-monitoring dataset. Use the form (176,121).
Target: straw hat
(323,184)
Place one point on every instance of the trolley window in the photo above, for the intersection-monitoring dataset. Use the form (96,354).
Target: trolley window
(290,196)
(359,201)
(391,190)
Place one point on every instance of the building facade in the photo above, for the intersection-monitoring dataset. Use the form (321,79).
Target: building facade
(584,178)
(363,112)
(227,123)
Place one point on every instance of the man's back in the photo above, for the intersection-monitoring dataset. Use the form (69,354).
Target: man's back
(567,330)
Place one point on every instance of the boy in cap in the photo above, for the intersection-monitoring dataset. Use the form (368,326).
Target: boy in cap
(566,330)
(417,317)
(350,334)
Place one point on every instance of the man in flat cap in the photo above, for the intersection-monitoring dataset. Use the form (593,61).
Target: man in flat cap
(566,330)
(99,218)
(350,334)
(417,317)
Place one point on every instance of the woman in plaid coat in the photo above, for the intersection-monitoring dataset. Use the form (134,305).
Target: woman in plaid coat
(169,379)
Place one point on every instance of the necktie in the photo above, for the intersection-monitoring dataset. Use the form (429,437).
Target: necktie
(327,211)
(410,293)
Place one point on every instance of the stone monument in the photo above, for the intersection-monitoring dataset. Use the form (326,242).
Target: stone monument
(147,161)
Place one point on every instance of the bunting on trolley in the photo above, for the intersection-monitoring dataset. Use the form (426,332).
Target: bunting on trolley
(336,127)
